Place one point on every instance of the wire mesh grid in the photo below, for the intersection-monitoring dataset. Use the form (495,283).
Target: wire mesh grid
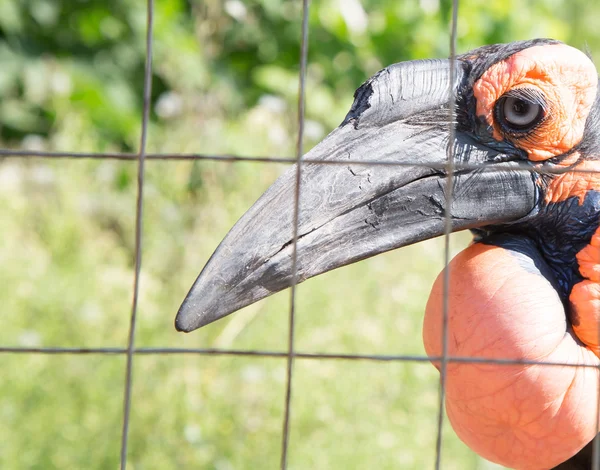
(130,350)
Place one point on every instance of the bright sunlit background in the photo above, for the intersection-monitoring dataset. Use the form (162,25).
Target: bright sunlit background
(225,81)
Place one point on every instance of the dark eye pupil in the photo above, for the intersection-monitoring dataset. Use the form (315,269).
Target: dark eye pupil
(518,113)
(521,107)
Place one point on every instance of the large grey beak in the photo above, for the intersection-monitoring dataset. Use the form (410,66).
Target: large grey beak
(349,212)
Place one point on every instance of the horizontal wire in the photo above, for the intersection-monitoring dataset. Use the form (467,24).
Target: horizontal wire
(489,166)
(284,355)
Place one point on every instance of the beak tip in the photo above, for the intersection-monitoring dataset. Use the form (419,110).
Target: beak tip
(183,324)
(199,309)
(188,319)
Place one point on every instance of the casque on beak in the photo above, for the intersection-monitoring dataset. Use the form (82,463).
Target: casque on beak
(349,212)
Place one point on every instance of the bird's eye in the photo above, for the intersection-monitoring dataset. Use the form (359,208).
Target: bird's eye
(520,111)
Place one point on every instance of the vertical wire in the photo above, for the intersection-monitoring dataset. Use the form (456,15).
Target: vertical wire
(447,231)
(299,152)
(138,233)
(596,440)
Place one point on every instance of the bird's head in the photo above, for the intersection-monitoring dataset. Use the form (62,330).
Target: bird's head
(527,117)
(524,142)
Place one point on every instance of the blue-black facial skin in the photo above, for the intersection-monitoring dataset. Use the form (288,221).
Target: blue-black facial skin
(551,239)
(525,252)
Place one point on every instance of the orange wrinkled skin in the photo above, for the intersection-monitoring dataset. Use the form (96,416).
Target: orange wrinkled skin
(589,258)
(585,313)
(575,183)
(521,416)
(568,80)
(585,296)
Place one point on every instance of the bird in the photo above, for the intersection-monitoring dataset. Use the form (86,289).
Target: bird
(503,141)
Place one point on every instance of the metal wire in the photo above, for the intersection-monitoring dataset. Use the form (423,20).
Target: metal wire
(299,152)
(447,232)
(148,351)
(596,440)
(139,210)
(450,167)
(548,168)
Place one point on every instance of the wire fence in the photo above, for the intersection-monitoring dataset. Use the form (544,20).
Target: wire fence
(130,350)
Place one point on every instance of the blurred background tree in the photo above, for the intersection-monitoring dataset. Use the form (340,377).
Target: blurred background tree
(224,81)
(80,63)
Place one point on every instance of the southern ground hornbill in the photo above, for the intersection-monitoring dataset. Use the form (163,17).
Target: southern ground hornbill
(526,143)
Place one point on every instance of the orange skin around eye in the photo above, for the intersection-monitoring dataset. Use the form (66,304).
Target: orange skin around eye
(521,416)
(565,76)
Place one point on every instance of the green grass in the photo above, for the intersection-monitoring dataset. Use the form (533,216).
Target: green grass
(67,236)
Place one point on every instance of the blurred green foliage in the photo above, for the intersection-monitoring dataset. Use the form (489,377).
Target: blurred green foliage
(224,81)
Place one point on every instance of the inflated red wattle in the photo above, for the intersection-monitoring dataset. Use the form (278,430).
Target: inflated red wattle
(520,416)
